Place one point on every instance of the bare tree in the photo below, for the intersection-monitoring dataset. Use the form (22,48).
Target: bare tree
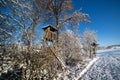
(56,12)
(19,21)
(7,29)
(21,15)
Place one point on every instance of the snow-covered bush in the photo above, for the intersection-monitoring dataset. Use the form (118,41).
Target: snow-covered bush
(30,65)
(89,42)
(70,48)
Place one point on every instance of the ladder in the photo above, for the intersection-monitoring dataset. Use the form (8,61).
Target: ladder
(57,56)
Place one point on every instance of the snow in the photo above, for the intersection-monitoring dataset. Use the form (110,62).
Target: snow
(87,68)
(106,50)
(106,68)
(74,73)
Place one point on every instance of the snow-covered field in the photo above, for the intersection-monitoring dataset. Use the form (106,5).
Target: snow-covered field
(107,67)
(106,50)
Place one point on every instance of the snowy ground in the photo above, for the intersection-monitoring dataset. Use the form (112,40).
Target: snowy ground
(86,68)
(107,67)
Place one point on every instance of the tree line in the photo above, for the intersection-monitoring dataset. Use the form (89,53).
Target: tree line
(19,20)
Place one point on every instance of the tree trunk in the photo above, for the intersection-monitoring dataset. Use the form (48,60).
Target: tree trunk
(56,17)
(28,45)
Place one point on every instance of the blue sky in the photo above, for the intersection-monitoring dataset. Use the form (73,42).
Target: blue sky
(105,18)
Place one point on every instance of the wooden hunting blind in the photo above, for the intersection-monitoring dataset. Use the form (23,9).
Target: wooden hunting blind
(50,33)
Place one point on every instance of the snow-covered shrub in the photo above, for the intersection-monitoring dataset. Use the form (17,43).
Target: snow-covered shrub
(89,38)
(34,64)
(70,48)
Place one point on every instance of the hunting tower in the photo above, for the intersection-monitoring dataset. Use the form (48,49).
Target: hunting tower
(50,33)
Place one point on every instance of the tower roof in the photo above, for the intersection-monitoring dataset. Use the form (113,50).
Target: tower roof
(51,28)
